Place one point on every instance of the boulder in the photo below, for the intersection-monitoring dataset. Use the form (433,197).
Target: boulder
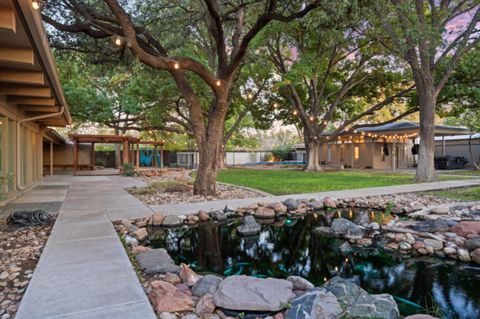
(172,221)
(329,202)
(380,306)
(316,205)
(253,294)
(404,245)
(203,216)
(323,231)
(140,234)
(140,249)
(218,215)
(475,255)
(432,226)
(278,207)
(409,238)
(315,304)
(172,278)
(472,244)
(249,227)
(463,255)
(440,210)
(346,291)
(300,283)
(291,203)
(205,305)
(188,276)
(435,244)
(264,212)
(157,219)
(206,285)
(346,228)
(362,218)
(156,261)
(167,315)
(165,297)
(192,219)
(466,228)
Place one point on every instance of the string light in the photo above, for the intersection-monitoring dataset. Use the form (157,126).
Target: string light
(295,112)
(250,96)
(275,105)
(118,41)
(35,5)
(311,118)
(218,83)
(176,66)
(324,122)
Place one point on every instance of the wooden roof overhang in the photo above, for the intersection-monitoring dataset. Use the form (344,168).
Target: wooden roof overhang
(107,139)
(28,75)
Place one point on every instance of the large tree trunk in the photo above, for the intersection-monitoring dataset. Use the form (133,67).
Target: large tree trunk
(221,157)
(312,148)
(427,104)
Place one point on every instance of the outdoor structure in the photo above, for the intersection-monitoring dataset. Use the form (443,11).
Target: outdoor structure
(383,147)
(459,146)
(31,98)
(130,149)
(190,159)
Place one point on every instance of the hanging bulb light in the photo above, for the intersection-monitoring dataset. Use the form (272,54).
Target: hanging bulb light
(311,118)
(275,105)
(250,96)
(35,5)
(118,41)
(295,112)
(176,66)
(218,83)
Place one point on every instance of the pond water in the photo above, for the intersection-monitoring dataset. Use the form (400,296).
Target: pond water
(287,247)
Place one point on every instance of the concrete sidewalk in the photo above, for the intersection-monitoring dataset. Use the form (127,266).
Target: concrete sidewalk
(84,271)
(179,209)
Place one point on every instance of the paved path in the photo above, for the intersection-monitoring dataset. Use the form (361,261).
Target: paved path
(84,272)
(179,209)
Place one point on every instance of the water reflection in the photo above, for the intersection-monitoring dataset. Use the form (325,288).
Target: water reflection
(287,247)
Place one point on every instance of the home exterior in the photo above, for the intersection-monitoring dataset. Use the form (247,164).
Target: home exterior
(383,147)
(31,98)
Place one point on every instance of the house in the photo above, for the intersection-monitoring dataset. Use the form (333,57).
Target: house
(31,98)
(458,145)
(384,147)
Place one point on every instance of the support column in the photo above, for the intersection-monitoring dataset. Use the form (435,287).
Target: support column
(443,145)
(125,152)
(92,156)
(394,155)
(132,154)
(154,164)
(161,156)
(51,158)
(75,156)
(138,155)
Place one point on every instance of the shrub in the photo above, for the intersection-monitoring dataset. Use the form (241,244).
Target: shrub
(128,169)
(281,152)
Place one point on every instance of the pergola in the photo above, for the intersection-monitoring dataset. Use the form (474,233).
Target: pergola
(130,147)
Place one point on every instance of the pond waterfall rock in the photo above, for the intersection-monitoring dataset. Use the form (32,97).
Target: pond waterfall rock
(206,285)
(300,283)
(315,304)
(250,226)
(380,306)
(291,204)
(264,212)
(157,261)
(165,297)
(172,221)
(253,294)
(188,276)
(346,228)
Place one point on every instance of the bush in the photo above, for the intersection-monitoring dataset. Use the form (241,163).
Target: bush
(128,169)
(281,153)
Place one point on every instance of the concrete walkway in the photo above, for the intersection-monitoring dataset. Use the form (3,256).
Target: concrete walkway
(179,209)
(84,271)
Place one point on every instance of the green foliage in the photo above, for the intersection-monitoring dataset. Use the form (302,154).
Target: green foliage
(6,182)
(128,169)
(281,152)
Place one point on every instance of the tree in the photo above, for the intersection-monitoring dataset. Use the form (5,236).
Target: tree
(336,76)
(219,32)
(423,33)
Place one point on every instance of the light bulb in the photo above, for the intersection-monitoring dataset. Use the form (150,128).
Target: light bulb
(118,41)
(218,83)
(311,118)
(275,105)
(295,112)
(35,5)
(176,65)
(250,96)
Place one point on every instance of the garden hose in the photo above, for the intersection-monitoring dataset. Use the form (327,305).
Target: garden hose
(29,218)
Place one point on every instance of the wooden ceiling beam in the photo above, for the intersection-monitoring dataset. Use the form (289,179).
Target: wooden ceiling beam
(40,109)
(21,76)
(7,19)
(31,101)
(19,90)
(16,54)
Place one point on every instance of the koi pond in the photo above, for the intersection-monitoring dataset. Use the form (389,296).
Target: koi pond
(287,247)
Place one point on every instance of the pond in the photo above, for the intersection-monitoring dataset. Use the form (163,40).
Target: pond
(287,247)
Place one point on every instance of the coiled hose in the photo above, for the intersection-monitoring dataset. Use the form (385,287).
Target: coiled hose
(29,218)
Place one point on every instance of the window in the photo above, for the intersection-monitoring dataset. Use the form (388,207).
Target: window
(356,153)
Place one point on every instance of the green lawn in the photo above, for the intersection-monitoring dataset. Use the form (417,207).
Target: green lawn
(462,194)
(471,173)
(279,182)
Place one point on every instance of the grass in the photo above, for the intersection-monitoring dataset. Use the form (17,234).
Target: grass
(461,194)
(469,173)
(279,182)
(160,186)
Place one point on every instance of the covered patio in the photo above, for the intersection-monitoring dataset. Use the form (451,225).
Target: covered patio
(130,149)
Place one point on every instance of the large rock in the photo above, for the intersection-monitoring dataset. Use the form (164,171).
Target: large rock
(440,210)
(463,255)
(278,207)
(207,284)
(249,227)
(346,291)
(346,228)
(291,203)
(315,304)
(300,283)
(205,305)
(362,218)
(475,255)
(140,234)
(188,276)
(435,244)
(156,261)
(381,306)
(329,202)
(172,221)
(432,226)
(472,244)
(218,215)
(466,228)
(157,219)
(253,294)
(165,297)
(203,216)
(316,205)
(323,231)
(264,212)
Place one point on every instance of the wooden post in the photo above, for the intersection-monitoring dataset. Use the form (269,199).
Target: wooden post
(443,145)
(75,156)
(138,155)
(154,164)
(92,156)
(161,156)
(125,152)
(394,155)
(132,154)
(51,158)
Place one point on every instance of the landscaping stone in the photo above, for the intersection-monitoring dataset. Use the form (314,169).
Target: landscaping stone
(172,221)
(254,294)
(435,244)
(420,316)
(264,212)
(463,255)
(449,250)
(316,304)
(346,228)
(316,205)
(404,245)
(466,228)
(278,207)
(472,244)
(249,227)
(156,261)
(172,278)
(205,305)
(140,249)
(329,203)
(346,291)
(207,284)
(380,306)
(362,218)
(323,231)
(157,219)
(409,239)
(188,276)
(291,204)
(140,234)
(300,283)
(345,248)
(432,226)
(218,215)
(475,255)
(167,315)
(203,215)
(440,210)
(165,297)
